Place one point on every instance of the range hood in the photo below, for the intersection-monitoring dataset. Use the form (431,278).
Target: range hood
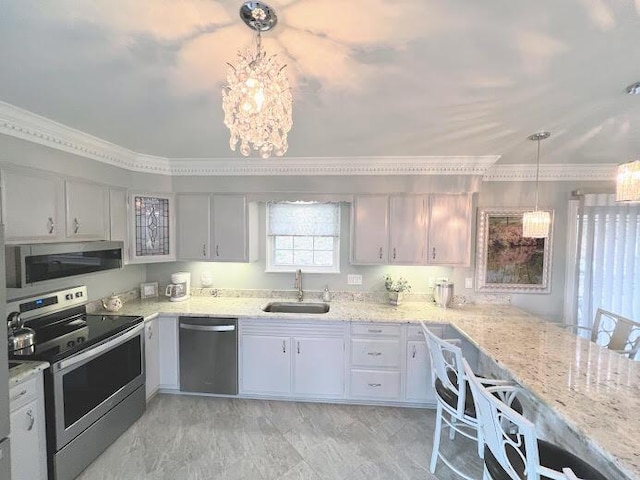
(36,263)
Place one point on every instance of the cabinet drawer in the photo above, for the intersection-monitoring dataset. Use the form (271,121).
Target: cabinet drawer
(415,331)
(23,393)
(375,384)
(373,329)
(375,352)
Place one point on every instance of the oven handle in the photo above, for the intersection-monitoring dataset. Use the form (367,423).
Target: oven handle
(208,328)
(94,352)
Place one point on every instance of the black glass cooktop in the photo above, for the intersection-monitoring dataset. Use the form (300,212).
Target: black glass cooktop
(58,338)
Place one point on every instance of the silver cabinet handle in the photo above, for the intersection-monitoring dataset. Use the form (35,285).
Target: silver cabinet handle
(284,346)
(76,225)
(150,332)
(208,328)
(298,347)
(374,354)
(217,250)
(32,420)
(51,225)
(371,330)
(374,384)
(23,392)
(434,253)
(394,253)
(380,253)
(204,250)
(413,353)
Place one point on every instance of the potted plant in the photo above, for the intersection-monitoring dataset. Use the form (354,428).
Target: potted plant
(396,289)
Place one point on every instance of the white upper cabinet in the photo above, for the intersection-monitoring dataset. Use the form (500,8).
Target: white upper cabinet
(370,230)
(449,233)
(152,221)
(231,231)
(194,223)
(220,228)
(118,219)
(32,207)
(87,211)
(406,229)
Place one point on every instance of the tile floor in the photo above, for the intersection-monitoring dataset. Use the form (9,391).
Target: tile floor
(197,438)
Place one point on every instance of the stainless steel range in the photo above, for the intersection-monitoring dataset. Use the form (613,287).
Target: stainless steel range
(94,388)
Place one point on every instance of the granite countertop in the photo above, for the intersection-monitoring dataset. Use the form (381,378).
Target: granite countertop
(595,391)
(25,370)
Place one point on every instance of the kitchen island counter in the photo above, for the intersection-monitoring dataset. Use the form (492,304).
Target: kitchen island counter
(594,391)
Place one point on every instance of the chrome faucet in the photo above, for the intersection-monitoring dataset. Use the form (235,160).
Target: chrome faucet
(298,285)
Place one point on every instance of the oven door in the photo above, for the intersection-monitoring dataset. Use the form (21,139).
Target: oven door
(89,384)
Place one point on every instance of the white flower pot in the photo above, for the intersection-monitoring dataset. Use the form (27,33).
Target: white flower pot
(395,298)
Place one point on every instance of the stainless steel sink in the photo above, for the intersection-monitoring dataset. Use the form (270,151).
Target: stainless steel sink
(296,307)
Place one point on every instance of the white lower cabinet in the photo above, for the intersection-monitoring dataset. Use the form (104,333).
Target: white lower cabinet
(28,442)
(152,357)
(418,378)
(266,364)
(168,353)
(292,359)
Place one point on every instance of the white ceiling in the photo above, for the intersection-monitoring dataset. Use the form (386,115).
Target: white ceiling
(370,78)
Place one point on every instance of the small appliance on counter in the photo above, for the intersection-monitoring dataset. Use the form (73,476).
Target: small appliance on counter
(180,287)
(443,293)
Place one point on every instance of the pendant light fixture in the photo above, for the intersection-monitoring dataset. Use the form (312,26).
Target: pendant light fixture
(536,223)
(257,100)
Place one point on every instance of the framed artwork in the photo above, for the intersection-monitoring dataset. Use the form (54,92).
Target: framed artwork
(149,290)
(506,261)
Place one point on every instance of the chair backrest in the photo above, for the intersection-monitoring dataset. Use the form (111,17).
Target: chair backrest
(510,437)
(446,365)
(616,332)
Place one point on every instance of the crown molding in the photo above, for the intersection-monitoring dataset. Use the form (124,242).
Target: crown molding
(558,172)
(20,123)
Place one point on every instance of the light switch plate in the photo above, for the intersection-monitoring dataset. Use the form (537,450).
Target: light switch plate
(354,279)
(468,282)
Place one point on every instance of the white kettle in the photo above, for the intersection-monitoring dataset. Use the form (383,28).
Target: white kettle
(113,303)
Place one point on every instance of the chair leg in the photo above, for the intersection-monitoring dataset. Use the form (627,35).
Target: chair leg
(436,439)
(480,442)
(452,430)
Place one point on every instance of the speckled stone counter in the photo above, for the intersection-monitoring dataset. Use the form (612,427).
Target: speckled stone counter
(24,371)
(594,391)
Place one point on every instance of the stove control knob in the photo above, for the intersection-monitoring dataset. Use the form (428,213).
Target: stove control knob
(71,343)
(68,296)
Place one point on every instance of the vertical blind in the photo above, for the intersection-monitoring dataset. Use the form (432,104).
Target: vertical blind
(608,266)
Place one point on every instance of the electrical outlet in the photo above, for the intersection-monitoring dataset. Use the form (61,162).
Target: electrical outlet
(354,279)
(468,282)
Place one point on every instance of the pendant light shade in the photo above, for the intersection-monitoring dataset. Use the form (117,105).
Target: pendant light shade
(628,182)
(536,223)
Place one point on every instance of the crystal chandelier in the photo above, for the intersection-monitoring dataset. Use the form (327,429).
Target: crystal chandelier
(628,182)
(535,224)
(257,100)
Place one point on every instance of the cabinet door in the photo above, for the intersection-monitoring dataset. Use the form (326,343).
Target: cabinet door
(32,207)
(369,234)
(418,380)
(152,220)
(118,219)
(266,364)
(406,229)
(193,219)
(152,358)
(449,230)
(27,427)
(87,211)
(230,235)
(318,366)
(168,352)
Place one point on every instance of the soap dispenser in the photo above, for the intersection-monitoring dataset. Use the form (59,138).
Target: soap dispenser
(326,295)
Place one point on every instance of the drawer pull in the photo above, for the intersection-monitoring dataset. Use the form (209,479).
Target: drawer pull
(23,392)
(76,225)
(413,353)
(374,354)
(284,346)
(51,225)
(376,385)
(371,330)
(380,253)
(32,420)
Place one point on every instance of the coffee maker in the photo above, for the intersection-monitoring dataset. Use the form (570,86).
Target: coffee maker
(180,287)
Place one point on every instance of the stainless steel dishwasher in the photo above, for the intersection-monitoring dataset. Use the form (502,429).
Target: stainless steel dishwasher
(209,355)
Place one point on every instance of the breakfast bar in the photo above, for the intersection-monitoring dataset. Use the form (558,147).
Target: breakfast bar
(586,394)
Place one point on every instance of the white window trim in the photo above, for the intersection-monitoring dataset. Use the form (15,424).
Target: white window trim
(271,268)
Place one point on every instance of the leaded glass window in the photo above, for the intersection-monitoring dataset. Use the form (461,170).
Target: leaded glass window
(151,226)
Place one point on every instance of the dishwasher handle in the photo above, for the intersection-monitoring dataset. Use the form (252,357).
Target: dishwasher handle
(208,328)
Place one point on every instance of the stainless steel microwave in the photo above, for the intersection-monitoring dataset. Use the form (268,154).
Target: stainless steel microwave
(32,264)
